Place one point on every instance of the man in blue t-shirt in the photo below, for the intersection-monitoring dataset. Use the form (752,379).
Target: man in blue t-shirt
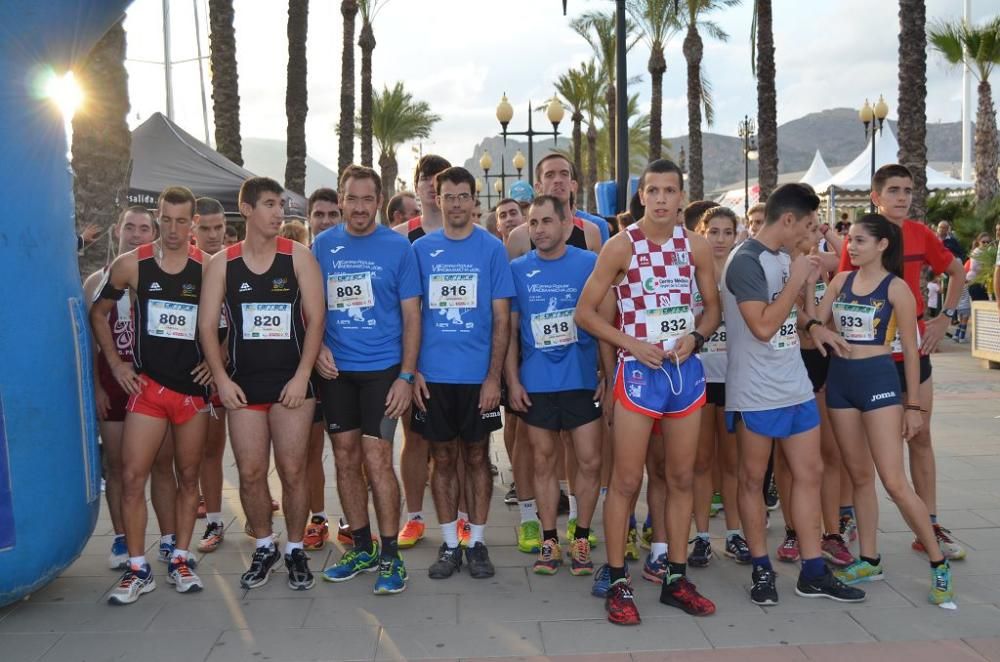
(367,365)
(465,326)
(555,389)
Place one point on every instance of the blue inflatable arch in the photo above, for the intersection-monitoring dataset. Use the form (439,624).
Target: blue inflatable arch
(49,462)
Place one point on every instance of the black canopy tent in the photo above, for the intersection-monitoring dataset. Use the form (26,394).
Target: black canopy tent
(163,154)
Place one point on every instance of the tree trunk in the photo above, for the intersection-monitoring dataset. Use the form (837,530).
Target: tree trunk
(767,103)
(349,10)
(693,50)
(388,171)
(657,67)
(296,96)
(582,189)
(367,44)
(912,127)
(592,167)
(102,143)
(225,80)
(610,98)
(987,148)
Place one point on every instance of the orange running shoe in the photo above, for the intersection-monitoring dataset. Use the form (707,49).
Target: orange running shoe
(344,535)
(316,535)
(411,534)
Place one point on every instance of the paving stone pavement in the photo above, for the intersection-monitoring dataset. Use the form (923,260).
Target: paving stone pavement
(518,615)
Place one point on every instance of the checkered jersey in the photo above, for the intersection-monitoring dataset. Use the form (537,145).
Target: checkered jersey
(658,276)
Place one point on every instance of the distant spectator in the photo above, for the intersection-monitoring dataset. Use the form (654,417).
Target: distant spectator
(693,212)
(87,236)
(232,236)
(323,210)
(402,207)
(295,230)
(950,241)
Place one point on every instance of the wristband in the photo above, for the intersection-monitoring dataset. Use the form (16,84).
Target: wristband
(699,341)
(810,324)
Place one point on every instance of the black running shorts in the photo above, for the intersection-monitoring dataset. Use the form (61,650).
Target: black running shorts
(453,413)
(357,400)
(561,410)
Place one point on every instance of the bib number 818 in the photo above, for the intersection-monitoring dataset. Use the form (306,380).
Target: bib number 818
(558,327)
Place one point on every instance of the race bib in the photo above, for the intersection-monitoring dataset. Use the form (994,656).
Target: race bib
(670,323)
(453,290)
(169,319)
(716,342)
(786,337)
(345,291)
(897,344)
(855,322)
(820,292)
(553,329)
(267,321)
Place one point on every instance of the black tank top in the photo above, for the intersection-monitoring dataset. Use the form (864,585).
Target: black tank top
(414,230)
(165,314)
(266,327)
(576,238)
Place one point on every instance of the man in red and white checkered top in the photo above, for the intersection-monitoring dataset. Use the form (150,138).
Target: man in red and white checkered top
(653,268)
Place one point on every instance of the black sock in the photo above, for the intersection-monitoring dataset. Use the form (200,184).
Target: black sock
(582,532)
(550,534)
(676,568)
(615,574)
(363,538)
(938,564)
(870,560)
(390,547)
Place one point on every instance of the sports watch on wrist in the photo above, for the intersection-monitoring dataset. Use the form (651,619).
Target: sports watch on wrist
(407,377)
(948,312)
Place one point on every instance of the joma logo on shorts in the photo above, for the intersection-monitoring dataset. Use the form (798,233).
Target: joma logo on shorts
(882,396)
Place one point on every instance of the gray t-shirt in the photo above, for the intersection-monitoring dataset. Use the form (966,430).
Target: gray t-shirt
(760,375)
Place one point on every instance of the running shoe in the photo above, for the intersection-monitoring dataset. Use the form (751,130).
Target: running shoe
(632,545)
(737,549)
(391,577)
(951,549)
(848,528)
(772,500)
(701,554)
(464,532)
(353,563)
(135,582)
(180,573)
(549,559)
(580,561)
(213,537)
(941,588)
(316,534)
(477,558)
(681,593)
(716,505)
(788,551)
(562,507)
(344,535)
(411,534)
(494,470)
(202,511)
(763,591)
(620,604)
(529,537)
(835,550)
(300,577)
(511,497)
(828,586)
(166,551)
(118,558)
(602,580)
(449,562)
(261,565)
(860,571)
(646,537)
(655,570)
(571,533)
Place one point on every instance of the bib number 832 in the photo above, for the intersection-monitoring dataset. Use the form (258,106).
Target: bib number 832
(673,325)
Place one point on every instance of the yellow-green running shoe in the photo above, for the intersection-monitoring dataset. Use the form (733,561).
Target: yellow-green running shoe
(860,571)
(632,545)
(941,588)
(529,537)
(571,534)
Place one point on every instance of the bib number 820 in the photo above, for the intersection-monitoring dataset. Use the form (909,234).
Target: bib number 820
(266,320)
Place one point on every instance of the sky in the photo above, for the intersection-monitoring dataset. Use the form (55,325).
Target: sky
(461,55)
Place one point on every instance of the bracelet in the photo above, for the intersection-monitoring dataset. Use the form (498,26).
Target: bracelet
(810,324)
(914,408)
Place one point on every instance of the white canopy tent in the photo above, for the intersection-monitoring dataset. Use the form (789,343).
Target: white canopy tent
(817,173)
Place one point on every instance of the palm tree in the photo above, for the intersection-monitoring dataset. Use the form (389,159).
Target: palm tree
(571,87)
(397,118)
(369,8)
(698,93)
(658,22)
(349,10)
(982,44)
(912,125)
(762,43)
(591,85)
(296,96)
(598,29)
(101,140)
(225,80)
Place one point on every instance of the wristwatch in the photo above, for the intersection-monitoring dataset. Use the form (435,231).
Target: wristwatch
(948,312)
(699,341)
(810,324)
(407,377)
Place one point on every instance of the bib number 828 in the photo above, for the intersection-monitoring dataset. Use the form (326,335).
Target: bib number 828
(173,320)
(266,320)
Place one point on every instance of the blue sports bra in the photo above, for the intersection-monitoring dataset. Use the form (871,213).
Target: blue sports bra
(865,319)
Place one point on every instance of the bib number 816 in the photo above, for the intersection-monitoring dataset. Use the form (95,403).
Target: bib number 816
(453,290)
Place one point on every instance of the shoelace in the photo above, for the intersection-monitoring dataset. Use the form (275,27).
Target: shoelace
(739,543)
(943,534)
(548,551)
(764,578)
(129,578)
(183,570)
(581,550)
(940,579)
(790,542)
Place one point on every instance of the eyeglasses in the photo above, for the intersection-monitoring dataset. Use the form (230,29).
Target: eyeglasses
(461,197)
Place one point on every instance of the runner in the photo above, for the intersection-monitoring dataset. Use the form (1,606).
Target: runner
(322,210)
(892,193)
(651,266)
(509,217)
(554,386)
(366,365)
(863,392)
(273,296)
(467,284)
(232,237)
(166,384)
(402,207)
(768,392)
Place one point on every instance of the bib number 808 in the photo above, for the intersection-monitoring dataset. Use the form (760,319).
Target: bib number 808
(178,320)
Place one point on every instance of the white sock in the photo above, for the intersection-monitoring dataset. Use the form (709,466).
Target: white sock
(214,518)
(476,534)
(732,532)
(322,514)
(564,486)
(572,506)
(290,546)
(463,516)
(703,535)
(137,561)
(529,510)
(169,539)
(119,536)
(180,554)
(449,532)
(417,515)
(656,549)
(265,542)
(604,492)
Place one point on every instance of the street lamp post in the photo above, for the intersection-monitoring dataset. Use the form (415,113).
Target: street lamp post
(500,183)
(746,131)
(873,116)
(505,113)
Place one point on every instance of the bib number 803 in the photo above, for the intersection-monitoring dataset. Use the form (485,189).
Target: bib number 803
(349,291)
